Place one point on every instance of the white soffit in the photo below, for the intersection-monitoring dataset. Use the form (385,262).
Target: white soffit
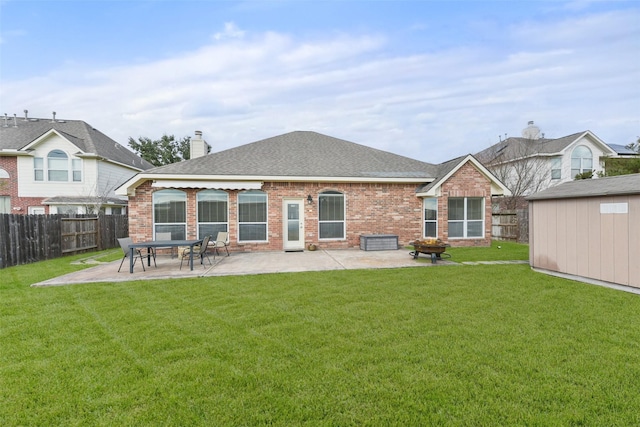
(217,185)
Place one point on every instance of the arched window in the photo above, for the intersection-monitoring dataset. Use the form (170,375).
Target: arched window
(4,173)
(252,216)
(581,160)
(57,166)
(213,212)
(170,213)
(331,215)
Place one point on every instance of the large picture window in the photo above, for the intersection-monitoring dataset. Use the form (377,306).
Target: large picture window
(331,215)
(252,216)
(213,212)
(431,217)
(170,213)
(581,160)
(466,217)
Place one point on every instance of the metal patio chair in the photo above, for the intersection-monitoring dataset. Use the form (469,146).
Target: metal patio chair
(124,245)
(200,251)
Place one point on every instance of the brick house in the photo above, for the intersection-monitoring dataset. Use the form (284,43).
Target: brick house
(285,192)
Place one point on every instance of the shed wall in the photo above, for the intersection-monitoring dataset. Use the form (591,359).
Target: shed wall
(580,237)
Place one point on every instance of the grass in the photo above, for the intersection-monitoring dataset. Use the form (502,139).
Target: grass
(451,345)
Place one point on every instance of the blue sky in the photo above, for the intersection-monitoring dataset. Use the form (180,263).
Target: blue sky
(431,80)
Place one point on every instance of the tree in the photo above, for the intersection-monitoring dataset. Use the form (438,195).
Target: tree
(161,152)
(516,163)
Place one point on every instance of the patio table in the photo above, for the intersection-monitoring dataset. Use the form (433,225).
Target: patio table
(161,244)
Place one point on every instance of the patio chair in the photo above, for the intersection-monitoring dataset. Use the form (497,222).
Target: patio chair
(200,251)
(222,241)
(165,236)
(124,245)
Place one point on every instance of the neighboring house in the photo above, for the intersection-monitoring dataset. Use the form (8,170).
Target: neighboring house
(285,192)
(533,163)
(50,166)
(588,229)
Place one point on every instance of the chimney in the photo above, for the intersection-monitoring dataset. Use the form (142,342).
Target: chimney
(198,146)
(531,131)
(54,117)
(26,115)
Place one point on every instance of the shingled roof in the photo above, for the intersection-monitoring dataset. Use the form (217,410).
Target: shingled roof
(302,154)
(515,148)
(16,134)
(609,186)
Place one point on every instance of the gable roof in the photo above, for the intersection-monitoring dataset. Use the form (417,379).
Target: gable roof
(446,169)
(608,186)
(299,156)
(516,148)
(19,135)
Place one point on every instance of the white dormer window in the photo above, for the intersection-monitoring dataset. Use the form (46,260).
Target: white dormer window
(581,160)
(57,168)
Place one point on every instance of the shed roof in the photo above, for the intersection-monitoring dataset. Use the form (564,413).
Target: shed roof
(608,186)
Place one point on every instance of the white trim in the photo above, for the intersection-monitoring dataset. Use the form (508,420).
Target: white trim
(211,185)
(497,187)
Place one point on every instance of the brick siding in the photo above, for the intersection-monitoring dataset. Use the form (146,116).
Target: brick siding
(371,208)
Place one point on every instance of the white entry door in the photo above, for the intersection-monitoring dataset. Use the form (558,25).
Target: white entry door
(293,213)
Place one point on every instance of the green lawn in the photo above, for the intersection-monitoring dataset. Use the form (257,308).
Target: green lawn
(449,345)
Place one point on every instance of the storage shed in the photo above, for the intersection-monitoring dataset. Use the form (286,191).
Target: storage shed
(588,229)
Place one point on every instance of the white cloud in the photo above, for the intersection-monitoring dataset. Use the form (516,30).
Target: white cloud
(432,107)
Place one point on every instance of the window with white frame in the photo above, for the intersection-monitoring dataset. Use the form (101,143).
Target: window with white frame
(76,166)
(556,168)
(5,204)
(252,216)
(331,215)
(581,160)
(57,167)
(213,212)
(170,213)
(38,169)
(4,173)
(431,217)
(466,217)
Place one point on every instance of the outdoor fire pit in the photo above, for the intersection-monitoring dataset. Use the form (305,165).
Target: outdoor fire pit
(434,247)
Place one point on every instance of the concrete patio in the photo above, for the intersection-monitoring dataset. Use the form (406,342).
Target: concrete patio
(246,263)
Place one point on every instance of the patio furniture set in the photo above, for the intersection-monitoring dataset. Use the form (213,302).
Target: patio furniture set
(186,249)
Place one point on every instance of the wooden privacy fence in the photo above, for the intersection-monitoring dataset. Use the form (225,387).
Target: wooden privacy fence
(511,225)
(30,238)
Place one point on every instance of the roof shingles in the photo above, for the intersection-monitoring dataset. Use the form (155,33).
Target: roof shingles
(302,154)
(20,133)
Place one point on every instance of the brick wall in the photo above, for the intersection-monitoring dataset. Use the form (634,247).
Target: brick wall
(371,208)
(466,182)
